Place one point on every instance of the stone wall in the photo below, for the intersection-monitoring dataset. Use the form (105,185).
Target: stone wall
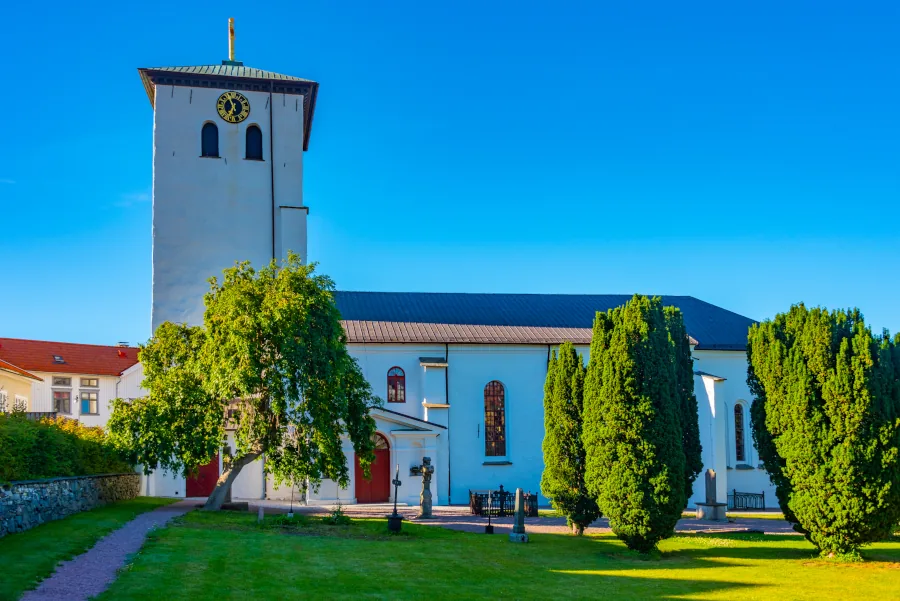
(29,503)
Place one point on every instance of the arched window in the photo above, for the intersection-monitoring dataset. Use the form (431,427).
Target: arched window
(254,143)
(494,420)
(209,140)
(396,385)
(739,454)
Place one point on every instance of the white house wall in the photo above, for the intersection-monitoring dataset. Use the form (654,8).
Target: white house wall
(42,396)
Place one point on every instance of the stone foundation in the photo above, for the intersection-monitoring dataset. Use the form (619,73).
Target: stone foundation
(29,503)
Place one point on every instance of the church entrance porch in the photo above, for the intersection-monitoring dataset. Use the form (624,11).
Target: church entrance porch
(202,482)
(377,489)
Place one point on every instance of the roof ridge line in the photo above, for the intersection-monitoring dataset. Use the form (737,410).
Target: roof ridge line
(110,346)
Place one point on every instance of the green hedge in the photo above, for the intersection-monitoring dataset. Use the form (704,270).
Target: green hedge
(51,448)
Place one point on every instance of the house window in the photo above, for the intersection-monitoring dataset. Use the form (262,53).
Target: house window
(4,401)
(739,454)
(396,385)
(62,401)
(254,143)
(21,403)
(494,420)
(209,140)
(89,403)
(61,381)
(90,382)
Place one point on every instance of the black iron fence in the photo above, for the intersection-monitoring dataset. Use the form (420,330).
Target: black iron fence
(746,500)
(500,502)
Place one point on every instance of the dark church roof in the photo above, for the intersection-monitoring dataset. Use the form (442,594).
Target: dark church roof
(515,318)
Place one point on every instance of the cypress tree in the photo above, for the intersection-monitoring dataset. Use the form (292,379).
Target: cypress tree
(826,421)
(563,478)
(635,463)
(687,400)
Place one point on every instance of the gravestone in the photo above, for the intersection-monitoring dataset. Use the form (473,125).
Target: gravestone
(711,510)
(518,531)
(710,487)
(395,519)
(427,470)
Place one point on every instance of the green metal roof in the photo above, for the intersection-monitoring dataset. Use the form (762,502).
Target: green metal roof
(229,71)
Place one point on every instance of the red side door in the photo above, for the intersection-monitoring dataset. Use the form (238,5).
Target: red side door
(378,488)
(203,481)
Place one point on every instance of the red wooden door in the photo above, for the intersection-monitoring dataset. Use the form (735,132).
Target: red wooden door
(202,483)
(377,489)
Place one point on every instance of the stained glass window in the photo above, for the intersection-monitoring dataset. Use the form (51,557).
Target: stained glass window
(396,385)
(739,433)
(494,420)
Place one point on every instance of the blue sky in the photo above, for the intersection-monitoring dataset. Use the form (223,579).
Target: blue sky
(748,155)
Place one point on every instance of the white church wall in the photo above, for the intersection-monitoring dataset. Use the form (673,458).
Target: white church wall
(522,371)
(376,359)
(230,197)
(288,173)
(731,365)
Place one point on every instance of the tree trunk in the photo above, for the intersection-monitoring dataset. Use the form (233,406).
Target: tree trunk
(222,491)
(577,529)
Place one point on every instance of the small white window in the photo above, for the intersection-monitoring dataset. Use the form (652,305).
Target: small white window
(4,400)
(21,403)
(90,382)
(61,381)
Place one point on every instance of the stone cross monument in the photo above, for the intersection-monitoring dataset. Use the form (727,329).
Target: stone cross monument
(711,510)
(518,532)
(426,470)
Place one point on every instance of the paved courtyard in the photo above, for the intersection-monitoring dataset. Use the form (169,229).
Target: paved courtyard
(458,517)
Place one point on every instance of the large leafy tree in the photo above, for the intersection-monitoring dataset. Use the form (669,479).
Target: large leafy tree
(635,463)
(563,478)
(269,365)
(826,421)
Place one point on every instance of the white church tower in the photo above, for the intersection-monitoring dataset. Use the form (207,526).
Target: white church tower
(228,143)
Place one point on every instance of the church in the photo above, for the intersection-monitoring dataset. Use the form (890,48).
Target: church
(462,375)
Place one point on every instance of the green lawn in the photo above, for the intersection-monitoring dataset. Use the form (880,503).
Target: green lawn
(28,557)
(228,557)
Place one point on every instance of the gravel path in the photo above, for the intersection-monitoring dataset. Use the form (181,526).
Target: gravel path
(91,572)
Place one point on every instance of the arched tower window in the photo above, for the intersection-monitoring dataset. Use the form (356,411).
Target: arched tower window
(739,451)
(494,420)
(209,140)
(396,385)
(254,143)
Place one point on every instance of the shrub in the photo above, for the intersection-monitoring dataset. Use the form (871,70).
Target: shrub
(51,448)
(337,517)
(633,439)
(563,478)
(826,421)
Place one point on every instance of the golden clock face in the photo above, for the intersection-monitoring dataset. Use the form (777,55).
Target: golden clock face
(233,107)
